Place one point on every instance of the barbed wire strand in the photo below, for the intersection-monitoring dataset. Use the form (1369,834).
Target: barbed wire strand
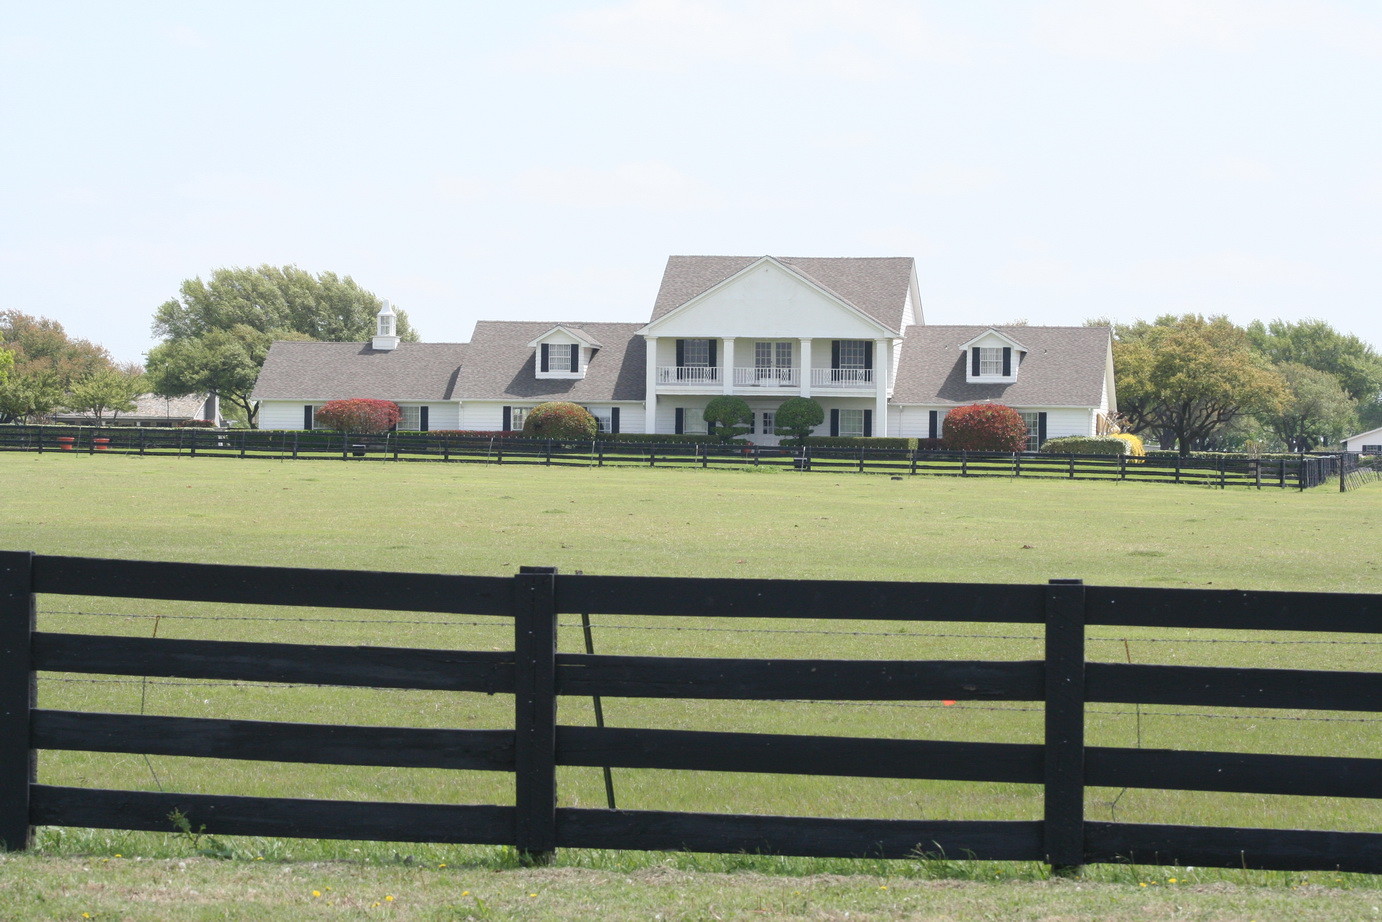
(723,630)
(816,701)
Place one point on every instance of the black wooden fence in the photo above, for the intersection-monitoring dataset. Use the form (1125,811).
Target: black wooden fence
(1296,472)
(537,676)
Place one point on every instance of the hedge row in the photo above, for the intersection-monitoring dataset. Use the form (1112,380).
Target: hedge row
(1085,445)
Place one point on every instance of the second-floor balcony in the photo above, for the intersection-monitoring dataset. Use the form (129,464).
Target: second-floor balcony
(688,375)
(767,377)
(711,376)
(841,378)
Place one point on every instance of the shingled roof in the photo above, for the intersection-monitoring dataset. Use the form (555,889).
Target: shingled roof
(499,363)
(876,286)
(337,371)
(1063,367)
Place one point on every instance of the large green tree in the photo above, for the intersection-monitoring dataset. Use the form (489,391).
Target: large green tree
(217,332)
(225,362)
(1188,377)
(727,417)
(108,390)
(1315,343)
(44,364)
(1316,412)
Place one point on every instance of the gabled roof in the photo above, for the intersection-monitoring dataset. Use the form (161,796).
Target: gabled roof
(1064,367)
(1364,435)
(579,334)
(152,407)
(499,364)
(875,286)
(997,332)
(339,371)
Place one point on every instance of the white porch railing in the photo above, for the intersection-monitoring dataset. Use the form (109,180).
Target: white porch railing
(766,377)
(841,377)
(688,375)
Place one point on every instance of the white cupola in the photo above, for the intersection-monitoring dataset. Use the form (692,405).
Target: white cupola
(386,329)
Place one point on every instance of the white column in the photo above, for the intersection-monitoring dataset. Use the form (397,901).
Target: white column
(650,387)
(727,364)
(882,366)
(806,368)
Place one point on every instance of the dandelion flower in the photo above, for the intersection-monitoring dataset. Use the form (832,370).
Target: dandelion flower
(387,898)
(316,893)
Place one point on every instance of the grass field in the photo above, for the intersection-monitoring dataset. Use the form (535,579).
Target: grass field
(490,520)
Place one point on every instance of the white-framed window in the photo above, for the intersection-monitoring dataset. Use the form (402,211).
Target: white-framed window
(310,415)
(602,417)
(562,357)
(990,361)
(695,352)
(769,421)
(772,355)
(852,423)
(516,417)
(1033,424)
(693,420)
(853,353)
(409,418)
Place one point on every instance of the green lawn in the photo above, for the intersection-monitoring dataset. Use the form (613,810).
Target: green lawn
(482,519)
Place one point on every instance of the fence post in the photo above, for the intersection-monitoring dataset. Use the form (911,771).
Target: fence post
(535,713)
(1223,463)
(1072,467)
(1122,467)
(1064,743)
(914,460)
(964,464)
(1340,459)
(18,695)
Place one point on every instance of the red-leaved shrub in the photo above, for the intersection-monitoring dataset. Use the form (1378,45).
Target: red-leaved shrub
(358,415)
(984,427)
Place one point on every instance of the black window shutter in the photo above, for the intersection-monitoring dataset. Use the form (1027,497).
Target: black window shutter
(713,344)
(835,353)
(543,349)
(1007,361)
(681,352)
(931,427)
(974,362)
(834,422)
(422,419)
(868,422)
(614,421)
(307,417)
(575,361)
(1041,429)
(868,353)
(508,419)
(680,421)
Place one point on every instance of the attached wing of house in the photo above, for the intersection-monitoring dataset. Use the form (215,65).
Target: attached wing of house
(846,332)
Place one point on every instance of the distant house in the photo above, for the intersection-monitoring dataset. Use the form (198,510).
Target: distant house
(152,410)
(1369,443)
(847,332)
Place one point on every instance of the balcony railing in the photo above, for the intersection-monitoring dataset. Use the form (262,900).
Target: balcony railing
(841,377)
(688,375)
(766,377)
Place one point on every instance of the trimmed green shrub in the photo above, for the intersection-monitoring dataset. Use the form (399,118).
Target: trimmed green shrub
(560,419)
(984,427)
(797,417)
(727,417)
(360,415)
(851,441)
(1085,445)
(662,438)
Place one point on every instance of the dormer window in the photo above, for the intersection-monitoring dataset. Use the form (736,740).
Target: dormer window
(992,357)
(991,361)
(560,357)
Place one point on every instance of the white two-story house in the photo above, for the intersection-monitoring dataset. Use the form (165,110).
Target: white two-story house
(846,332)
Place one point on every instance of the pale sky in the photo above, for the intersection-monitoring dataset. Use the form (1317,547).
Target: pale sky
(1046,161)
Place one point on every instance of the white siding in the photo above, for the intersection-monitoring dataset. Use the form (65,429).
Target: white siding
(914,422)
(281,414)
(488,415)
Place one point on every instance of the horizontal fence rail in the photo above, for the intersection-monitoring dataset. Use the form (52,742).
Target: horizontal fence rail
(1298,472)
(537,677)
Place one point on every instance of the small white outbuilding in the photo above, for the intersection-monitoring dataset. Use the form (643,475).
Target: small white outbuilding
(1369,442)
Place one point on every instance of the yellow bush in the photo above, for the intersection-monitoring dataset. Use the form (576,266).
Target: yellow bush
(1135,446)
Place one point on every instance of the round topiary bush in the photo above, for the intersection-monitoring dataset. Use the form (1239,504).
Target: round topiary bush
(358,415)
(560,419)
(798,417)
(727,417)
(984,427)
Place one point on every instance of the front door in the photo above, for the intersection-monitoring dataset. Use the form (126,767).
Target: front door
(762,431)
